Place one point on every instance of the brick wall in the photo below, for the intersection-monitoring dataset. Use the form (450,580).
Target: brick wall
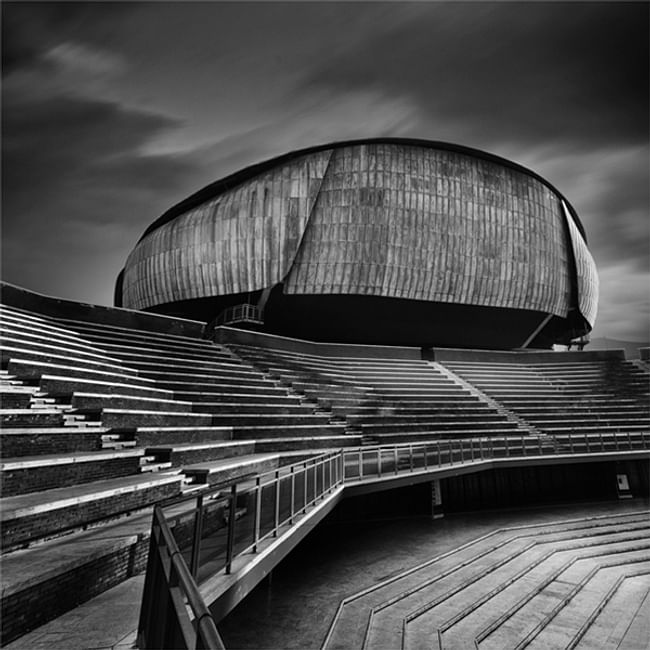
(21,481)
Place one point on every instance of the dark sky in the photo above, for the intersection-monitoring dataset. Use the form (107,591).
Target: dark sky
(112,112)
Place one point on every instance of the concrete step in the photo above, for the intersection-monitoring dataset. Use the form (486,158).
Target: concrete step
(113,418)
(34,370)
(239,380)
(42,514)
(170,435)
(281,397)
(226,471)
(219,387)
(265,419)
(97,401)
(279,431)
(34,342)
(181,455)
(435,425)
(144,350)
(44,472)
(36,441)
(54,384)
(496,436)
(253,408)
(31,417)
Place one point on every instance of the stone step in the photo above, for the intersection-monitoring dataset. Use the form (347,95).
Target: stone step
(181,455)
(213,387)
(432,578)
(35,441)
(30,417)
(120,330)
(36,473)
(435,425)
(487,416)
(44,331)
(142,350)
(169,435)
(294,443)
(623,621)
(496,436)
(406,410)
(54,384)
(253,380)
(39,515)
(281,397)
(226,471)
(9,353)
(98,401)
(273,419)
(33,370)
(163,363)
(10,399)
(42,344)
(299,430)
(253,408)
(114,418)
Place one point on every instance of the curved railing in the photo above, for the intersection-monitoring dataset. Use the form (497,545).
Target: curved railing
(189,545)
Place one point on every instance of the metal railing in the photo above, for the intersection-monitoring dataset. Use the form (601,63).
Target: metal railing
(173,613)
(243,313)
(221,527)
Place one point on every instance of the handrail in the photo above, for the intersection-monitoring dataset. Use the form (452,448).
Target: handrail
(171,588)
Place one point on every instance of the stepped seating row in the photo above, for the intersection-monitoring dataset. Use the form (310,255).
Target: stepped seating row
(592,397)
(552,585)
(101,421)
(128,420)
(386,400)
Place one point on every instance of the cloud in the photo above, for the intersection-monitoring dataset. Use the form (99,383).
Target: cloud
(511,72)
(624,308)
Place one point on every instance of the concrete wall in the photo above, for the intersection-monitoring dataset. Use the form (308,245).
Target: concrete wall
(20,298)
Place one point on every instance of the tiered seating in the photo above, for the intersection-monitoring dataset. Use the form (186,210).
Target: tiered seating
(386,400)
(102,421)
(550,585)
(598,399)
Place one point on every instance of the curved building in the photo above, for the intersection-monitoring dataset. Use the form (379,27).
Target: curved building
(387,241)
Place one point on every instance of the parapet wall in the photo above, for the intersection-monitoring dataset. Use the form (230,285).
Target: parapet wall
(20,298)
(247,337)
(520,356)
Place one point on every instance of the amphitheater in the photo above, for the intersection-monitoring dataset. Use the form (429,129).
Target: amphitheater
(326,413)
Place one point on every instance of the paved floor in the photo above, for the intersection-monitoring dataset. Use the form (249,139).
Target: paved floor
(295,607)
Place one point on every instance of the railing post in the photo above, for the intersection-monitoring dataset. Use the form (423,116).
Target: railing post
(462,451)
(602,444)
(379,462)
(293,493)
(571,442)
(480,447)
(616,442)
(360,463)
(505,439)
(196,538)
(304,492)
(451,455)
(231,527)
(523,448)
(411,457)
(258,514)
(395,458)
(471,449)
(629,440)
(426,457)
(539,445)
(276,514)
